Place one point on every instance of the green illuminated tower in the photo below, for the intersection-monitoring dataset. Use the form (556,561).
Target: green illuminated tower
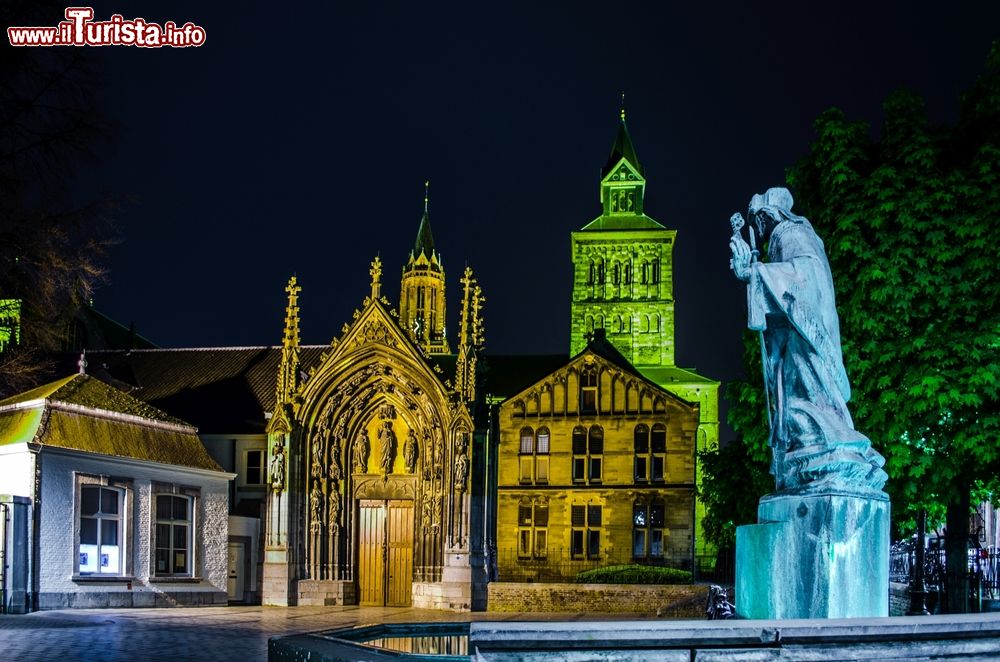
(623,266)
(623,282)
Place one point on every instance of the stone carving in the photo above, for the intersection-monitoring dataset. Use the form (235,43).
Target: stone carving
(461,472)
(387,447)
(815,447)
(438,454)
(410,452)
(315,507)
(361,452)
(374,331)
(336,471)
(334,508)
(278,467)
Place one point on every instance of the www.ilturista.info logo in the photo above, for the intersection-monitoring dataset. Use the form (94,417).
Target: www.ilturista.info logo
(79,29)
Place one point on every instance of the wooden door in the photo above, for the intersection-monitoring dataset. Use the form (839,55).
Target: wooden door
(385,553)
(400,566)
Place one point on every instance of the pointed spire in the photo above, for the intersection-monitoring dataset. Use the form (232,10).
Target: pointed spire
(425,239)
(288,370)
(622,147)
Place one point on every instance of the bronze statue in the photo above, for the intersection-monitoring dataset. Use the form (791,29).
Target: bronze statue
(815,447)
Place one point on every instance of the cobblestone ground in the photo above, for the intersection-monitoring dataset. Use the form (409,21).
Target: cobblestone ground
(209,633)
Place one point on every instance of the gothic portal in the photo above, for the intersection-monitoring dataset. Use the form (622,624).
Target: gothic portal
(369,458)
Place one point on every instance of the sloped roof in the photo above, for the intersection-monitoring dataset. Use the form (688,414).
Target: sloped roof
(85,414)
(621,149)
(622,222)
(425,239)
(218,389)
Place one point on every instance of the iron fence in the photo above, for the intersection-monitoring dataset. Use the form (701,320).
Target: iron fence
(983,569)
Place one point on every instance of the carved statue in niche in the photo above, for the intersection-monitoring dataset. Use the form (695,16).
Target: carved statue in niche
(315,504)
(361,453)
(461,472)
(410,452)
(387,447)
(334,508)
(278,467)
(336,471)
(428,515)
(316,469)
(438,454)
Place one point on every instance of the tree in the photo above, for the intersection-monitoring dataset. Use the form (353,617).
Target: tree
(907,223)
(51,246)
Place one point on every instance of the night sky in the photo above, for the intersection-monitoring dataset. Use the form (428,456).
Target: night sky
(297,140)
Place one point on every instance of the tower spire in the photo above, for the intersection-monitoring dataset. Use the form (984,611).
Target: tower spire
(288,372)
(427,193)
(376,274)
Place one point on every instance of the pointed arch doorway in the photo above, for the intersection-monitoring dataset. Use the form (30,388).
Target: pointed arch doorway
(385,552)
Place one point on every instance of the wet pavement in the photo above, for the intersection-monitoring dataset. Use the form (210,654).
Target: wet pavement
(239,634)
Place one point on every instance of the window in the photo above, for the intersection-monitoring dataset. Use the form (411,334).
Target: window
(656,271)
(534,455)
(595,451)
(579,454)
(590,274)
(616,274)
(600,272)
(650,453)
(256,471)
(102,543)
(658,450)
(526,453)
(641,438)
(588,452)
(532,523)
(647,530)
(173,535)
(628,272)
(588,391)
(585,531)
(644,272)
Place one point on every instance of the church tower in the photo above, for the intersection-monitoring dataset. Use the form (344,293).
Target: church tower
(421,296)
(623,266)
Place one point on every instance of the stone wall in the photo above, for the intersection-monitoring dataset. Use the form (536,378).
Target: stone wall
(671,600)
(899,599)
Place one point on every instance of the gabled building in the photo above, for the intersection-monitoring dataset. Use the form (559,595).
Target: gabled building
(596,467)
(116,503)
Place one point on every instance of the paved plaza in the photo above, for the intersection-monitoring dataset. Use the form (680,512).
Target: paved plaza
(207,633)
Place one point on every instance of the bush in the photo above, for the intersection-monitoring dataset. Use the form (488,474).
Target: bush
(634,574)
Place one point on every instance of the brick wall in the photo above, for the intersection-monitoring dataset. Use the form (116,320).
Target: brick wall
(674,600)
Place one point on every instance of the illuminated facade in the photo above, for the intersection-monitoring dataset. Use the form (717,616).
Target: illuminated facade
(623,283)
(596,467)
(369,463)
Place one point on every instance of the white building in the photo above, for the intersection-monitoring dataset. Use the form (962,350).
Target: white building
(113,503)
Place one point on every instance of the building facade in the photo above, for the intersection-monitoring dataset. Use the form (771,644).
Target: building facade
(116,503)
(596,467)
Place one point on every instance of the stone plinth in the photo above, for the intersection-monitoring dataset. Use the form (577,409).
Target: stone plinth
(816,556)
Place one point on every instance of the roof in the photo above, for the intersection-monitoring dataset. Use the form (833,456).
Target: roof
(218,389)
(621,149)
(85,414)
(425,239)
(667,375)
(622,222)
(95,330)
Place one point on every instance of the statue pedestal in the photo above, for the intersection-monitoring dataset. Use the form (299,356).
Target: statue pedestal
(814,556)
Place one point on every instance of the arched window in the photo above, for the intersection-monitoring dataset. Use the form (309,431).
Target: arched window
(618,324)
(595,453)
(600,272)
(616,273)
(658,451)
(644,270)
(579,454)
(542,455)
(656,271)
(588,391)
(591,274)
(590,323)
(527,454)
(645,323)
(628,272)
(641,443)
